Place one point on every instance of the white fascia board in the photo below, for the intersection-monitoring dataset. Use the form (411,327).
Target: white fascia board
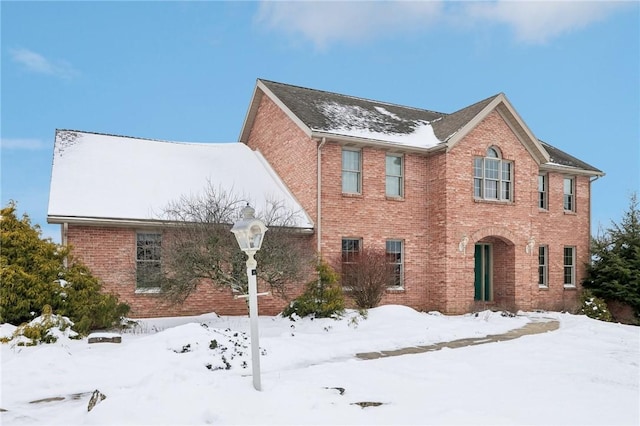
(251,115)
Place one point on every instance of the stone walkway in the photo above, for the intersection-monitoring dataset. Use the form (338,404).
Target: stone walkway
(536,326)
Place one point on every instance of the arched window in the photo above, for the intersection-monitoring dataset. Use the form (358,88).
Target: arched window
(492,176)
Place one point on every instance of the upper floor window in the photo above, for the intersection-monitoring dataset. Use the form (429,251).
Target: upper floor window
(543,192)
(351,171)
(492,177)
(569,194)
(569,266)
(543,266)
(148,260)
(394,170)
(395,261)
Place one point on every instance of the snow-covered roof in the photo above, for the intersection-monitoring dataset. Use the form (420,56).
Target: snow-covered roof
(126,178)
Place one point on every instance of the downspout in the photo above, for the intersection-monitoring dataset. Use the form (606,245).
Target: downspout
(595,178)
(319,199)
(65,231)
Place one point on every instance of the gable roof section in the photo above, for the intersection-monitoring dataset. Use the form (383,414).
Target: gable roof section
(501,104)
(351,119)
(561,160)
(124,179)
(327,114)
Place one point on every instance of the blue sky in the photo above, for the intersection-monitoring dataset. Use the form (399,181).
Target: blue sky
(185,71)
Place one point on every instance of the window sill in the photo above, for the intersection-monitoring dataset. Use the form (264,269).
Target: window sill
(541,210)
(569,212)
(351,195)
(543,287)
(570,287)
(490,201)
(151,290)
(395,290)
(391,198)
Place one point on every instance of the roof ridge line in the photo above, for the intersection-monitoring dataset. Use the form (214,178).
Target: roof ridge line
(355,97)
(141,138)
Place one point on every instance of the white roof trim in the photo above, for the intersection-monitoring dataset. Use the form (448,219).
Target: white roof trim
(531,143)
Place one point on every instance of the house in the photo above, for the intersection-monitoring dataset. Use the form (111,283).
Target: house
(471,208)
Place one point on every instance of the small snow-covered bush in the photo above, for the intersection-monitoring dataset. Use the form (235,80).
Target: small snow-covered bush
(47,328)
(594,307)
(322,298)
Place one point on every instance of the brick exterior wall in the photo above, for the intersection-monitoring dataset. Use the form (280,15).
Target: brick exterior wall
(110,253)
(437,212)
(438,219)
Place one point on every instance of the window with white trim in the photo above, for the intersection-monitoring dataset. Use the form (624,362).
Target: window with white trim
(543,192)
(569,266)
(148,260)
(395,259)
(569,189)
(493,177)
(543,266)
(351,248)
(394,171)
(351,171)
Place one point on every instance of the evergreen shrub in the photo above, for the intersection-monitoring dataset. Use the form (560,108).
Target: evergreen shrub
(36,272)
(594,307)
(322,298)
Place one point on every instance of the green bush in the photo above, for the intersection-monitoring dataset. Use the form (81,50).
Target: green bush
(33,274)
(594,307)
(44,329)
(322,298)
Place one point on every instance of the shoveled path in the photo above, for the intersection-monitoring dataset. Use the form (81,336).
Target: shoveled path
(536,326)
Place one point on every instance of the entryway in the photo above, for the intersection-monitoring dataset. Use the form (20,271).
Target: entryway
(483,273)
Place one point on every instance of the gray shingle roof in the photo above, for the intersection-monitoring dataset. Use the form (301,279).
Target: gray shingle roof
(329,112)
(332,112)
(453,122)
(562,158)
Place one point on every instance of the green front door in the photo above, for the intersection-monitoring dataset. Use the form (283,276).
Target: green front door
(482,272)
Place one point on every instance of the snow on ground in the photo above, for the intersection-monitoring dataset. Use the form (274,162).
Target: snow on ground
(173,371)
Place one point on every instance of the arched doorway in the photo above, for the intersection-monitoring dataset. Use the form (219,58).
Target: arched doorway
(494,272)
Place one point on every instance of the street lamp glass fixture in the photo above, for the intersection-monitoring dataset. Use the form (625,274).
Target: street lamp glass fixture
(249,231)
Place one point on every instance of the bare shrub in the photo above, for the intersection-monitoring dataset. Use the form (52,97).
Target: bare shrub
(200,247)
(366,277)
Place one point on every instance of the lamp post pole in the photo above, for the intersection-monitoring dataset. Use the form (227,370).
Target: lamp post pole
(253,319)
(249,233)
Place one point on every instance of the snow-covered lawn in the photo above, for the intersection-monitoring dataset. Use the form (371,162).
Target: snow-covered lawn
(183,371)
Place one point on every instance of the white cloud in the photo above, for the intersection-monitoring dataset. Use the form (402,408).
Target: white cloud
(540,21)
(23,144)
(37,63)
(326,22)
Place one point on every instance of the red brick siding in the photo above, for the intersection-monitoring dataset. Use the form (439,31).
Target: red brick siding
(289,151)
(439,200)
(110,253)
(520,221)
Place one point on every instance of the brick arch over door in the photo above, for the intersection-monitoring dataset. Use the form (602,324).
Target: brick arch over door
(493,231)
(502,264)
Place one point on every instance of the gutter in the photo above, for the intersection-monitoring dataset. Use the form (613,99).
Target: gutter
(131,223)
(358,141)
(319,199)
